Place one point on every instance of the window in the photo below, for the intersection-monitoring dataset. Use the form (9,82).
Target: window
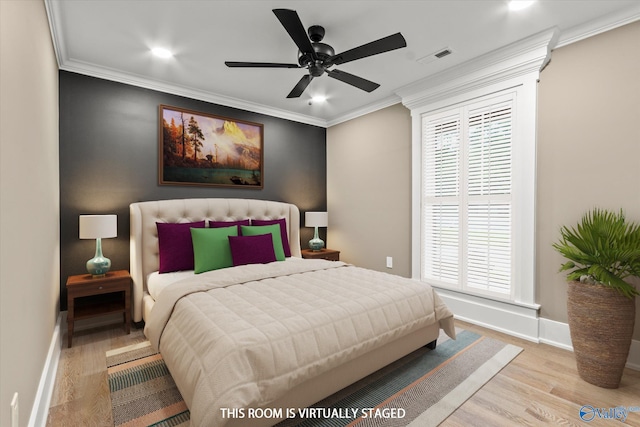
(473,175)
(466,206)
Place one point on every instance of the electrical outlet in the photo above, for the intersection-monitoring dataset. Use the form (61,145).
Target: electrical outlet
(14,410)
(389,262)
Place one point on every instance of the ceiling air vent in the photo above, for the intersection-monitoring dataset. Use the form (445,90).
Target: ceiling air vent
(439,54)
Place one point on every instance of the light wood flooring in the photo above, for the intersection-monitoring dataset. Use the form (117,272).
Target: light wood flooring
(540,387)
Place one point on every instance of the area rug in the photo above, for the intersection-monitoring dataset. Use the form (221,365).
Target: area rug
(142,390)
(420,390)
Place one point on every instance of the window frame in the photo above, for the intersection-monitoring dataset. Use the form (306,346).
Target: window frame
(523,184)
(515,66)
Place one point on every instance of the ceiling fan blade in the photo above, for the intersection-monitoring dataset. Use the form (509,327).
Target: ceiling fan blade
(291,22)
(356,81)
(385,44)
(260,64)
(301,86)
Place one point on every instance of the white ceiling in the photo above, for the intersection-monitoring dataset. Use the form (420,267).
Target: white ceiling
(112,39)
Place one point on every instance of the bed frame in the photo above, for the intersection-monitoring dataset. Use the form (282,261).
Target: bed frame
(144,233)
(144,260)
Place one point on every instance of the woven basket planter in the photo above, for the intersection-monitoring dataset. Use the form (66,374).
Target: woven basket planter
(601,325)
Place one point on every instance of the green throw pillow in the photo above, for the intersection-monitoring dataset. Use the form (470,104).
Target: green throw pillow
(211,250)
(254,230)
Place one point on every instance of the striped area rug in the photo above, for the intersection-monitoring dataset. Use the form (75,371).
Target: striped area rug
(142,390)
(420,390)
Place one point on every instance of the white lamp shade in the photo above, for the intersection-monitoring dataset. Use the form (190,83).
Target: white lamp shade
(98,226)
(316,219)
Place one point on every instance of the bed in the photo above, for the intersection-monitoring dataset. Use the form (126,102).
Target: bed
(267,335)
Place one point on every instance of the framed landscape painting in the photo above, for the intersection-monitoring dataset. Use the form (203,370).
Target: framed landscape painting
(203,149)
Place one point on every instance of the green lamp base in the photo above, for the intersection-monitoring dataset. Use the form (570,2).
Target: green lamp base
(98,266)
(316,244)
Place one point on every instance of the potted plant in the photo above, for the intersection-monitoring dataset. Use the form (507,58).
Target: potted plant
(603,252)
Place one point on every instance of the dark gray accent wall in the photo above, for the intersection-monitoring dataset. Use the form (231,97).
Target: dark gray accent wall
(109,159)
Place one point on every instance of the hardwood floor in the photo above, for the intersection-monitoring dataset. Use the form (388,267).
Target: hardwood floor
(540,387)
(81,393)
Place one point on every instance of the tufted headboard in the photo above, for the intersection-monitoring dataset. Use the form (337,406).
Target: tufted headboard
(144,233)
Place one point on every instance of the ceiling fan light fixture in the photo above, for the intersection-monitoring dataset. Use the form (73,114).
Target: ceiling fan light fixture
(161,52)
(316,70)
(520,4)
(318,99)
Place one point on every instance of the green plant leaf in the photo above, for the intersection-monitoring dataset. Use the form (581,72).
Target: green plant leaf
(604,246)
(567,266)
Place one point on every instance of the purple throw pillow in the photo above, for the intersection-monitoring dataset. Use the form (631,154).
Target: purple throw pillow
(283,231)
(175,246)
(252,249)
(221,224)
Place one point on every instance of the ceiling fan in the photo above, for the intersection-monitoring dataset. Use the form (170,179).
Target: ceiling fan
(319,57)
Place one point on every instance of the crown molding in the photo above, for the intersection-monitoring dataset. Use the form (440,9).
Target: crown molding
(369,108)
(53,16)
(521,58)
(403,94)
(188,92)
(67,64)
(600,25)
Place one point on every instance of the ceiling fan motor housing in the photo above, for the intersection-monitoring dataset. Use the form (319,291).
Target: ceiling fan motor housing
(322,52)
(318,57)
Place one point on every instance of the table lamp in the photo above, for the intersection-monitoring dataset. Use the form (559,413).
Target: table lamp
(98,227)
(316,219)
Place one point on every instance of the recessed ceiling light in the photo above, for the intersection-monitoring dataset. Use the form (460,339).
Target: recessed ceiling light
(520,4)
(161,52)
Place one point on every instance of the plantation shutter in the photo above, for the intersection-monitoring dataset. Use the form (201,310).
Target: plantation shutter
(488,245)
(466,208)
(441,186)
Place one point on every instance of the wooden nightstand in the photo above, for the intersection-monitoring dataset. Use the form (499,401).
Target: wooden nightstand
(86,298)
(328,254)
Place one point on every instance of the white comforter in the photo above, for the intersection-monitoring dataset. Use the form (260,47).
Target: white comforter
(241,337)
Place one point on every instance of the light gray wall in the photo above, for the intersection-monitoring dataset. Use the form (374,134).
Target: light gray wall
(29,201)
(588,146)
(369,190)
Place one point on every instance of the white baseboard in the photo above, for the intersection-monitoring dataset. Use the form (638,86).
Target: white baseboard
(514,319)
(557,334)
(42,401)
(518,320)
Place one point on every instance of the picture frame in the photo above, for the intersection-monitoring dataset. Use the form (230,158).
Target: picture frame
(203,149)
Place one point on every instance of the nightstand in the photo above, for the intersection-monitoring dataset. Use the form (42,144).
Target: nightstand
(328,254)
(89,296)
